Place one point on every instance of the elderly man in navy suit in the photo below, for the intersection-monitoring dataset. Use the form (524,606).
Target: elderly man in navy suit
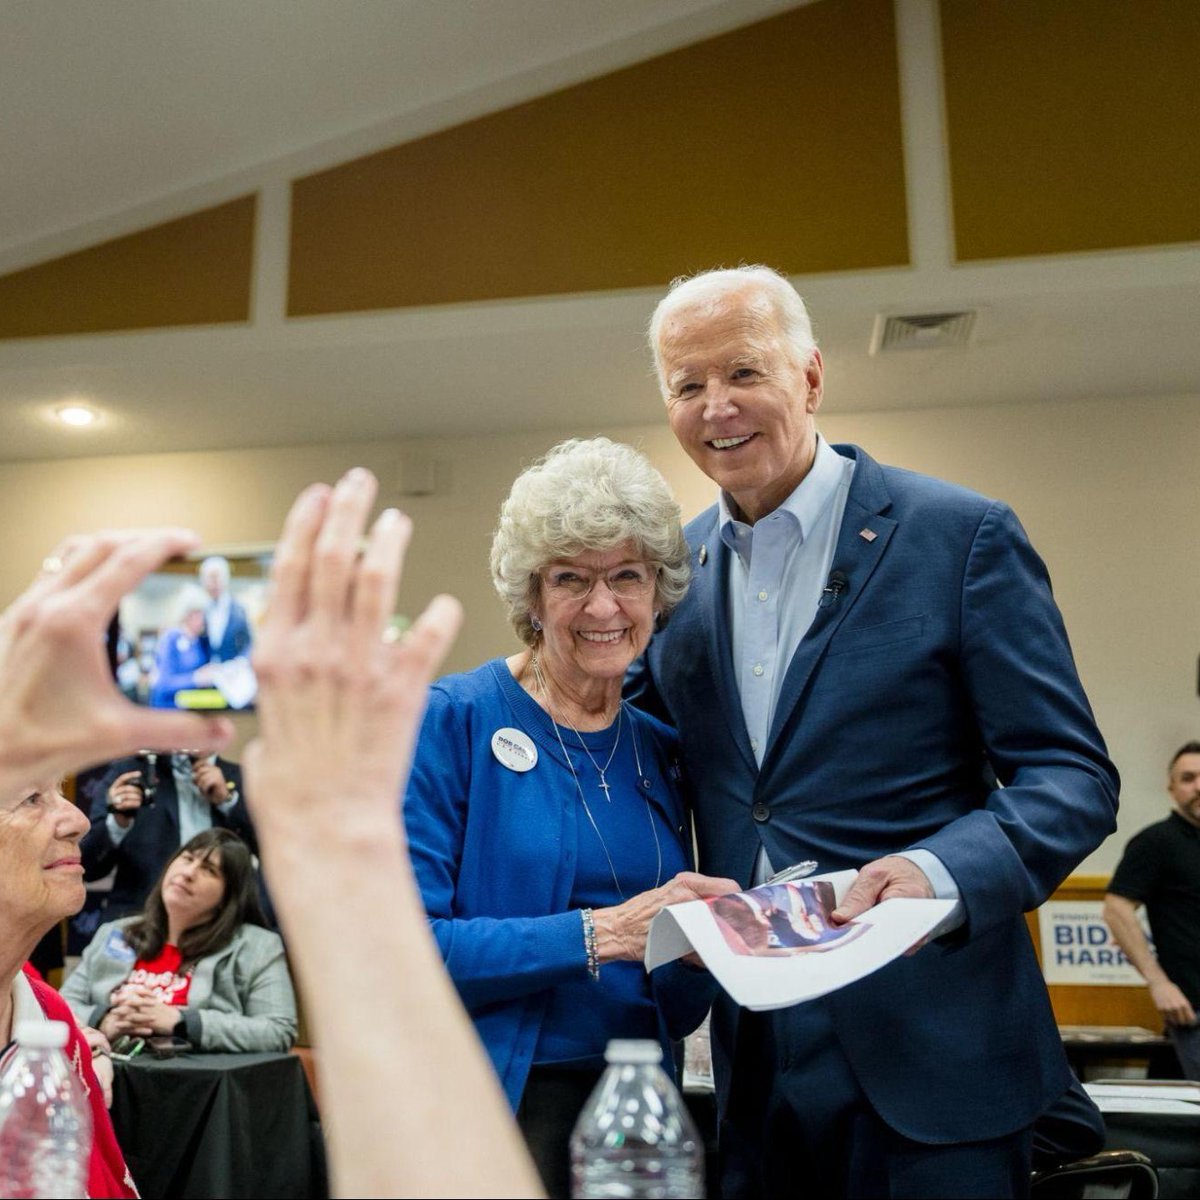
(225,621)
(863,653)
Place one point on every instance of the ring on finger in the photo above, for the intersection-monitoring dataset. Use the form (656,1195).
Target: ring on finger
(52,564)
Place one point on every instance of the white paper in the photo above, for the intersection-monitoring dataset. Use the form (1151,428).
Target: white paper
(1114,1104)
(235,680)
(1143,1089)
(771,947)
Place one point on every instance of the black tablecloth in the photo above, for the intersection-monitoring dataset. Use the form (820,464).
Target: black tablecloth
(219,1125)
(1171,1141)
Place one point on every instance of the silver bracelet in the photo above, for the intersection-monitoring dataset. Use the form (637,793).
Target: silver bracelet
(589,944)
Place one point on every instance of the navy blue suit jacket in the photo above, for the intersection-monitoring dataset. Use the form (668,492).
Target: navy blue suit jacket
(152,839)
(945,653)
(236,639)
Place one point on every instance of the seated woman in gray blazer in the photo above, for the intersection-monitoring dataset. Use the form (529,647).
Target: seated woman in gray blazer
(195,963)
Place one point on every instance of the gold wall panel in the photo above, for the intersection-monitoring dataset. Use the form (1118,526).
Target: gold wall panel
(1072,124)
(195,270)
(778,142)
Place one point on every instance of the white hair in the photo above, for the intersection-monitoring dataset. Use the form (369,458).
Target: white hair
(192,598)
(585,495)
(217,562)
(712,288)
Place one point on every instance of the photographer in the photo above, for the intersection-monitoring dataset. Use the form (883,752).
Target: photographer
(146,808)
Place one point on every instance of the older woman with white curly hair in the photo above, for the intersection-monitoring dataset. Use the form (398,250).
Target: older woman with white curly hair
(545,817)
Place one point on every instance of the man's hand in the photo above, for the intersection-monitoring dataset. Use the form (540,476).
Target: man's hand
(1172,1003)
(213,785)
(60,708)
(125,797)
(883,879)
(621,930)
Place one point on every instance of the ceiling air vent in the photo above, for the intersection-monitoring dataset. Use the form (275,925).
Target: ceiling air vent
(921,331)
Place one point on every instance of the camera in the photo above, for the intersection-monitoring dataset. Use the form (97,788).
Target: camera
(148,760)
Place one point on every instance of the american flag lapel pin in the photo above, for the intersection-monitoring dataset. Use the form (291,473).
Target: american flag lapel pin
(867,535)
(703,555)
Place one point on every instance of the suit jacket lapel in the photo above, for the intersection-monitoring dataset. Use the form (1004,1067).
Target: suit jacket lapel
(857,556)
(708,581)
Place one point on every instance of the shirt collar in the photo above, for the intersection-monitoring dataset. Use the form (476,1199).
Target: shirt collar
(181,764)
(803,506)
(1193,830)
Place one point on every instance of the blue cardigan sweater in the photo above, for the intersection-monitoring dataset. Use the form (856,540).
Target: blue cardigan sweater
(495,850)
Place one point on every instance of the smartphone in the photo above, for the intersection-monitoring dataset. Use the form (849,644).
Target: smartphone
(168,1047)
(183,637)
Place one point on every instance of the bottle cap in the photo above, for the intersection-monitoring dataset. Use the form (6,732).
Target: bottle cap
(633,1050)
(41,1035)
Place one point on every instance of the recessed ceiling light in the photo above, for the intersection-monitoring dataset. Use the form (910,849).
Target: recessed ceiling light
(76,414)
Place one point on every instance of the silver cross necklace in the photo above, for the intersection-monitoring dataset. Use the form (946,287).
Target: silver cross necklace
(600,770)
(637,758)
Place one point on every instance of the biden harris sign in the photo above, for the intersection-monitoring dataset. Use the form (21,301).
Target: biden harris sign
(1078,947)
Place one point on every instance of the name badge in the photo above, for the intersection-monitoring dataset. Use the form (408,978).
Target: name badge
(514,749)
(117,947)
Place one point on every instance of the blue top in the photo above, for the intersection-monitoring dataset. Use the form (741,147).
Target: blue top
(177,659)
(505,860)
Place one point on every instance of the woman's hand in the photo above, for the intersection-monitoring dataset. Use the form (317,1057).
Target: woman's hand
(340,700)
(101,1062)
(621,930)
(138,1012)
(119,1021)
(60,708)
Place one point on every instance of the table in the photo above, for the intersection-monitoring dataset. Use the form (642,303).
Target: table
(1088,1047)
(219,1125)
(1171,1142)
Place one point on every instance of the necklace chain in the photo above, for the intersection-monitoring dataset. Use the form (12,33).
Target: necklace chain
(637,758)
(600,770)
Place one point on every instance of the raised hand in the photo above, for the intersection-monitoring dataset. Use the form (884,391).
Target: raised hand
(126,797)
(340,699)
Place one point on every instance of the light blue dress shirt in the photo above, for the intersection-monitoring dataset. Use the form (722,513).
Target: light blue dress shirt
(778,570)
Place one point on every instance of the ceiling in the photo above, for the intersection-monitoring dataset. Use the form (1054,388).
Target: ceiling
(120,113)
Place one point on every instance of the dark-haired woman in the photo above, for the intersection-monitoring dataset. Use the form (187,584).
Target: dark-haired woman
(196,962)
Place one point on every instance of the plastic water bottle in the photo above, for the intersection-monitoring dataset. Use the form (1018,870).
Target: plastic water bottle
(45,1121)
(635,1137)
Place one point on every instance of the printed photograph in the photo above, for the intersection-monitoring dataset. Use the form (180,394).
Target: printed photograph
(782,919)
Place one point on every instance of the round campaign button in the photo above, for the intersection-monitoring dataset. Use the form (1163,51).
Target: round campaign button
(514,749)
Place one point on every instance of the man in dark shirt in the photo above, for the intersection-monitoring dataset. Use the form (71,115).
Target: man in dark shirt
(1161,870)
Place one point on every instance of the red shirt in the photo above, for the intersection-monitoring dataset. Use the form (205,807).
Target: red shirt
(161,975)
(107,1173)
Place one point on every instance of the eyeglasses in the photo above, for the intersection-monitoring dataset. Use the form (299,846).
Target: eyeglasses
(630,581)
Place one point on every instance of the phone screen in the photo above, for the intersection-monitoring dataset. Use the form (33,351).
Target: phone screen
(183,638)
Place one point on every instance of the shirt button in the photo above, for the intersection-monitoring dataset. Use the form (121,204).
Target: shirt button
(754,743)
(758,668)
(761,812)
(762,595)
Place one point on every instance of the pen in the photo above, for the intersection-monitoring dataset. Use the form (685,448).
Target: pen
(799,871)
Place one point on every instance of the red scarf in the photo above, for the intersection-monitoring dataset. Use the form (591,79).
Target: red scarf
(108,1176)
